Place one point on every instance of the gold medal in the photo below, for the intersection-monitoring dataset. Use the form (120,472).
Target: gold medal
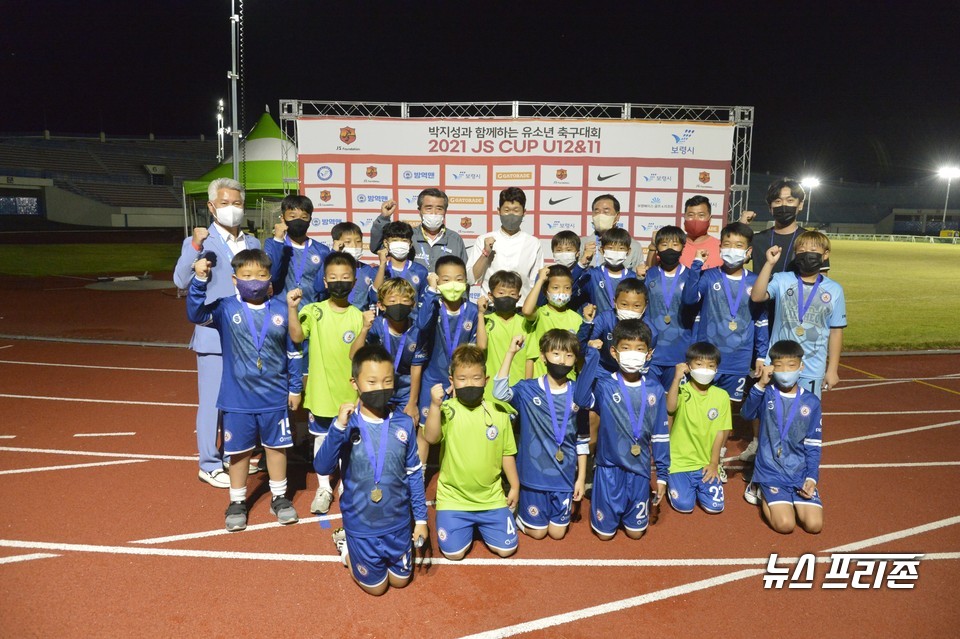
(666,319)
(559,455)
(732,325)
(779,452)
(635,450)
(376,495)
(799,331)
(259,364)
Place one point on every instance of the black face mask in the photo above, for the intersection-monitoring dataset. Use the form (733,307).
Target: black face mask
(297,228)
(808,263)
(397,312)
(470,396)
(784,215)
(377,400)
(669,258)
(339,290)
(505,304)
(558,371)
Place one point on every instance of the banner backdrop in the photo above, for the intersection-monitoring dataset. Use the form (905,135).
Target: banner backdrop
(350,166)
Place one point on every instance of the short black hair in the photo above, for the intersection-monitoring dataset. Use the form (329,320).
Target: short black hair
(557,270)
(295,201)
(251,256)
(631,285)
(564,237)
(631,329)
(339,258)
(506,278)
(616,235)
(796,190)
(513,194)
(670,233)
(786,348)
(397,229)
(703,350)
(448,260)
(375,353)
(737,228)
(606,196)
(560,339)
(340,229)
(697,200)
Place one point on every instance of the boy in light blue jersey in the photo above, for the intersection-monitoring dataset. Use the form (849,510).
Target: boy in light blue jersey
(552,455)
(383,497)
(297,259)
(261,376)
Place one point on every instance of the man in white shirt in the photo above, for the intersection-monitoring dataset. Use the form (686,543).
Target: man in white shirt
(507,249)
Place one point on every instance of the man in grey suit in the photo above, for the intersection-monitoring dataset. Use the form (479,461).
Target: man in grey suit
(431,238)
(606,214)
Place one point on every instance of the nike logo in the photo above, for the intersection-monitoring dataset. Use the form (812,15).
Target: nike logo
(601,178)
(553,201)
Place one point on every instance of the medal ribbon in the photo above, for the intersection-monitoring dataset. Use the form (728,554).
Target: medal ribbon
(668,293)
(558,427)
(375,460)
(784,426)
(298,269)
(445,329)
(402,273)
(635,424)
(802,307)
(734,304)
(610,287)
(388,338)
(258,340)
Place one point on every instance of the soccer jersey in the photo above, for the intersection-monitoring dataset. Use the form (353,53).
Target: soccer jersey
(295,266)
(548,318)
(827,309)
(401,348)
(537,462)
(629,426)
(472,447)
(790,458)
(695,426)
(673,320)
(441,331)
(414,273)
(261,365)
(738,330)
(329,335)
(362,296)
(602,328)
(364,446)
(500,333)
(598,284)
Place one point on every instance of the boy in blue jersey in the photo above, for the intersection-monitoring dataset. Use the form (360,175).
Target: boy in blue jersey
(396,332)
(395,260)
(597,284)
(673,322)
(787,467)
(297,259)
(701,422)
(810,309)
(552,455)
(383,494)
(348,238)
(633,420)
(261,377)
(446,319)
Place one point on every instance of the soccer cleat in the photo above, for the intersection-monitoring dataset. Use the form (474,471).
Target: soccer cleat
(216,478)
(236,518)
(750,452)
(722,473)
(321,501)
(284,510)
(340,541)
(752,494)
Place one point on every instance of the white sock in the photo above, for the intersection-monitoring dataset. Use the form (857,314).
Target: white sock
(324,480)
(278,488)
(723,453)
(238,494)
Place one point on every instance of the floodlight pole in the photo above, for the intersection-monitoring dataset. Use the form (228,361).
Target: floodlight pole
(943,223)
(233,75)
(809,205)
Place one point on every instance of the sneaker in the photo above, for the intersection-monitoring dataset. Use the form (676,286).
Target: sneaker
(321,501)
(216,478)
(284,510)
(722,474)
(254,467)
(340,541)
(236,518)
(752,494)
(750,452)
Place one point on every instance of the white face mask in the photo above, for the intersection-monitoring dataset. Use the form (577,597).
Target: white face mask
(614,258)
(230,216)
(733,257)
(703,375)
(355,251)
(399,250)
(632,361)
(627,314)
(432,221)
(603,223)
(558,299)
(567,259)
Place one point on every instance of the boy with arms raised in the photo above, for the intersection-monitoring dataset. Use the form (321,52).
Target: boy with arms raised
(557,282)
(395,260)
(377,452)
(348,238)
(597,284)
(477,448)
(505,322)
(297,259)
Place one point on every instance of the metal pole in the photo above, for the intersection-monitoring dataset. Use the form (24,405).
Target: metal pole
(233,75)
(809,205)
(943,223)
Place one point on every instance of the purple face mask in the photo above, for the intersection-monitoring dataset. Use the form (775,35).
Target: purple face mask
(253,290)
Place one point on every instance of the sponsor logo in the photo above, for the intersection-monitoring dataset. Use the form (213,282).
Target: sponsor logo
(466,222)
(561,174)
(683,137)
(602,178)
(465,175)
(515,175)
(402,436)
(348,337)
(348,135)
(559,226)
(655,200)
(329,220)
(363,197)
(324,173)
(408,175)
(553,202)
(492,433)
(372,172)
(465,199)
(316,222)
(325,196)
(704,177)
(277,320)
(712,414)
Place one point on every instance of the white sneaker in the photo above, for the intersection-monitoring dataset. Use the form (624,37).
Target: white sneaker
(321,501)
(722,473)
(752,494)
(340,541)
(750,452)
(216,478)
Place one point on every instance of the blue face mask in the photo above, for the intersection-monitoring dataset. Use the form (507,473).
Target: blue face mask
(253,290)
(786,379)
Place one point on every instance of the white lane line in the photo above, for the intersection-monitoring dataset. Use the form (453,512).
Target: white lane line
(41,469)
(53,451)
(108,368)
(893,465)
(30,557)
(221,531)
(894,536)
(7,346)
(870,385)
(8,436)
(896,412)
(127,434)
(97,401)
(166,552)
(891,433)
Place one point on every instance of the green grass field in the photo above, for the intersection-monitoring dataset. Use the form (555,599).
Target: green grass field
(900,296)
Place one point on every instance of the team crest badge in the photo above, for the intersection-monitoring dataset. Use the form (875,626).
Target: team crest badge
(774,490)
(651,399)
(616,398)
(770,405)
(492,433)
(674,494)
(825,298)
(716,286)
(277,320)
(561,174)
(790,292)
(348,135)
(749,290)
(227,435)
(704,177)
(599,515)
(575,408)
(237,319)
(412,347)
(467,325)
(415,279)
(537,401)
(402,436)
(362,570)
(712,414)
(442,534)
(325,195)
(311,418)
(348,337)
(466,222)
(371,170)
(805,411)
(533,510)
(315,259)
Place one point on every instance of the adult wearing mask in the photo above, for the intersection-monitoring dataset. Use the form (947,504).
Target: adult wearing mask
(509,249)
(217,243)
(606,214)
(696,223)
(431,238)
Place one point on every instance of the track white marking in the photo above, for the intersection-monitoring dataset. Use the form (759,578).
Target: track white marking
(108,368)
(7,346)
(30,557)
(891,433)
(70,466)
(97,401)
(894,536)
(893,465)
(87,453)
(222,531)
(8,436)
(127,434)
(894,412)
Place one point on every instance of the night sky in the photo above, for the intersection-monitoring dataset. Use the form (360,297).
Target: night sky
(867,91)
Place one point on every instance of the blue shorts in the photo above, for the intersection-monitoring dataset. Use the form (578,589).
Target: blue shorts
(455,529)
(814,386)
(538,508)
(687,489)
(734,384)
(780,494)
(372,557)
(318,425)
(241,431)
(619,497)
(663,373)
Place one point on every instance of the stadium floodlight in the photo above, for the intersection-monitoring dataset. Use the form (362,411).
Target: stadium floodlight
(950,173)
(809,184)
